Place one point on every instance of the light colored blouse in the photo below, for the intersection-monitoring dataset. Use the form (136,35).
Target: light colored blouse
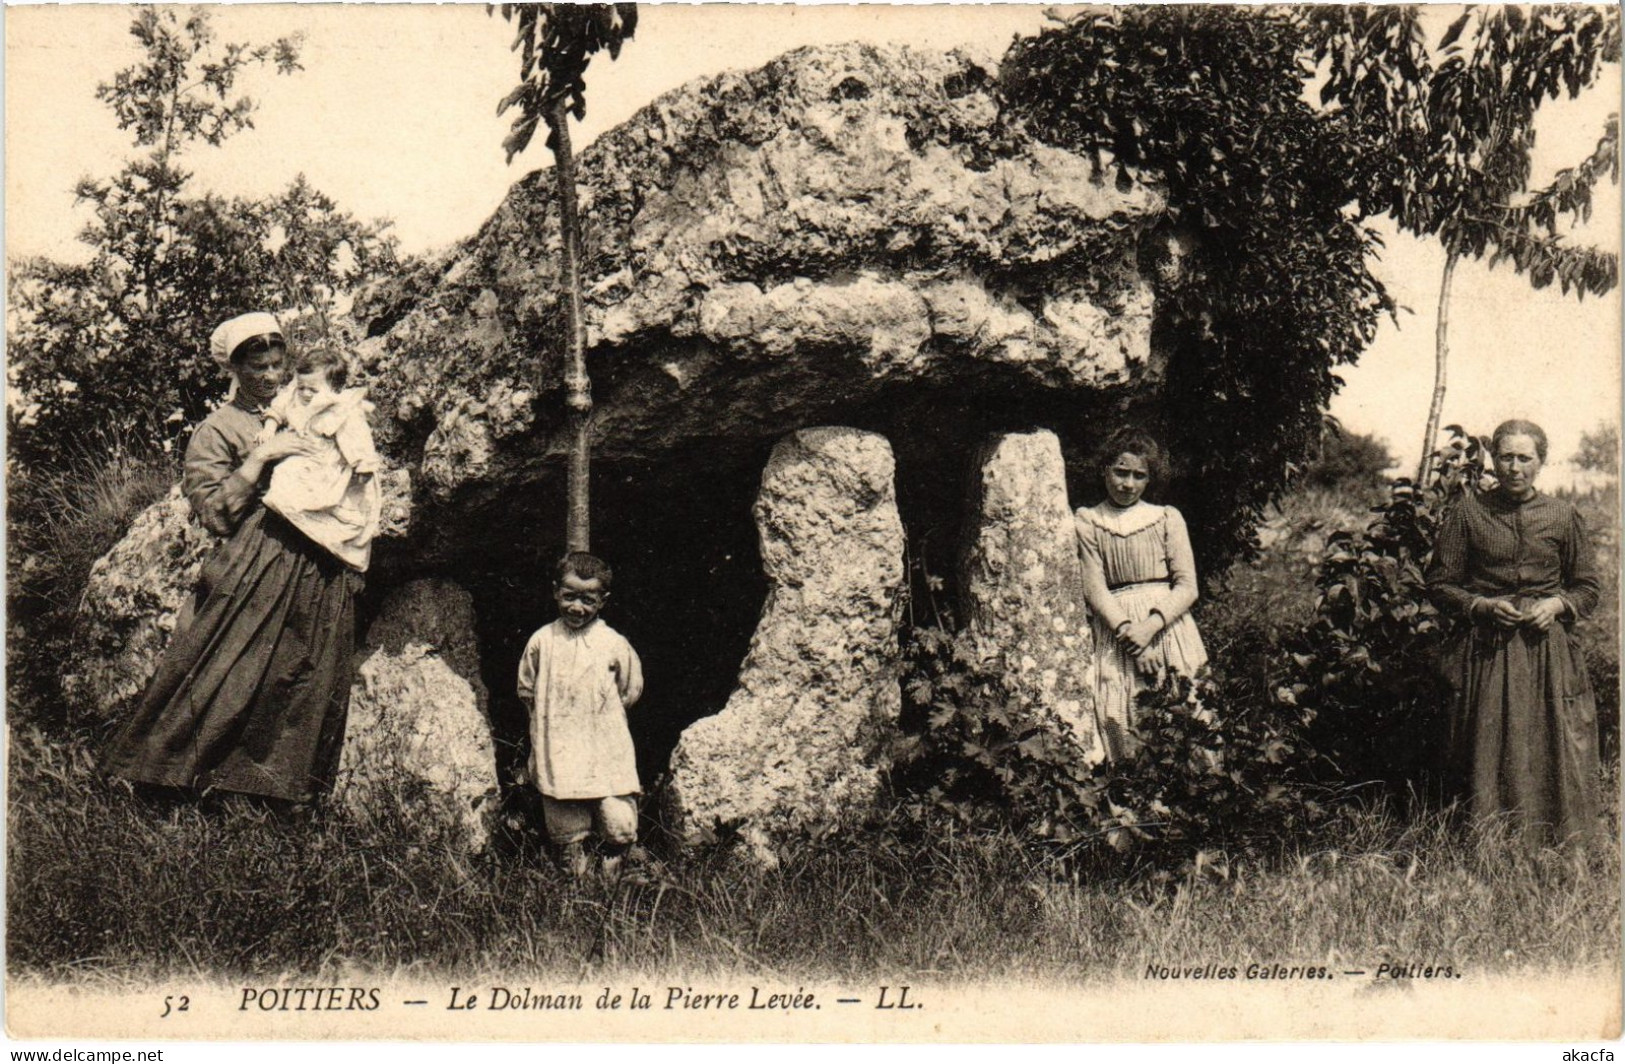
(1143,544)
(577,685)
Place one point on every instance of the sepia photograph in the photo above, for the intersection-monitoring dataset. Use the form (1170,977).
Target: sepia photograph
(735,523)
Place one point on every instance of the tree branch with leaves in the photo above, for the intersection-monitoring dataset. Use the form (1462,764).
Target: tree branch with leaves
(113,349)
(1449,131)
(556,42)
(1274,290)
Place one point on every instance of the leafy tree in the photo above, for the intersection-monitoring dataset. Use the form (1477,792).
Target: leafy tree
(1367,666)
(1355,463)
(113,348)
(1599,450)
(1447,135)
(556,42)
(1274,291)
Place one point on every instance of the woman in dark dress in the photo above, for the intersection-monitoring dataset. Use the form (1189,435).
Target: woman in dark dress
(1516,566)
(252,692)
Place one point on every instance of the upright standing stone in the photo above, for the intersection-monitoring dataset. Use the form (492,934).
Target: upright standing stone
(1021,582)
(797,746)
(418,742)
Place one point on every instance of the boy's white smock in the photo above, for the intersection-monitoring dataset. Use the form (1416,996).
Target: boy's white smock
(330,496)
(578,685)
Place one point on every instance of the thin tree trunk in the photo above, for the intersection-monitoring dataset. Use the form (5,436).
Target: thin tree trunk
(155,224)
(1441,353)
(578,387)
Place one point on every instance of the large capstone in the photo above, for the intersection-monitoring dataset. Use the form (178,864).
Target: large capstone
(417,746)
(1021,585)
(849,235)
(797,747)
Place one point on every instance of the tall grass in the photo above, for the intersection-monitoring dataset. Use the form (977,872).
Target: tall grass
(63,519)
(102,883)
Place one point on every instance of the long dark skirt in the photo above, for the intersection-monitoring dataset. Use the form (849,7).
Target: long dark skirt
(1524,734)
(251,696)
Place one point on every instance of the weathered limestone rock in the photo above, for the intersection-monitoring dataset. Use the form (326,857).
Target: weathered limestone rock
(418,740)
(796,747)
(137,590)
(766,250)
(395,508)
(1022,585)
(133,597)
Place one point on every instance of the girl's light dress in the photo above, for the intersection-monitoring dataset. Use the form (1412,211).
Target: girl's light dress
(330,496)
(1136,560)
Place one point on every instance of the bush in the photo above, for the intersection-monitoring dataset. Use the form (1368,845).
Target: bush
(1599,450)
(1355,464)
(1223,773)
(1367,664)
(1220,773)
(1599,633)
(1251,609)
(977,751)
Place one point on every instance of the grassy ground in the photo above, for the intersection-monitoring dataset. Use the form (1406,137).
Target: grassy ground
(100,884)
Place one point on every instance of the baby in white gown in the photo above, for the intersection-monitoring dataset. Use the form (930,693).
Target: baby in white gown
(331,495)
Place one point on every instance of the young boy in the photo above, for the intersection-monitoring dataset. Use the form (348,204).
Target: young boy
(331,494)
(578,675)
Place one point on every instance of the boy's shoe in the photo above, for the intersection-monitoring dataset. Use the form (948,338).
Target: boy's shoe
(611,867)
(574,860)
(636,866)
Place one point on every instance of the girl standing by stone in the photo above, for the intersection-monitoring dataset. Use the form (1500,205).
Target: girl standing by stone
(1139,580)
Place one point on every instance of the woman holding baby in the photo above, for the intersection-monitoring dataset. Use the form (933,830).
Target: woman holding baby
(252,692)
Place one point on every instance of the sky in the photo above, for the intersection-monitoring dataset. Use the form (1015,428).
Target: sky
(394,117)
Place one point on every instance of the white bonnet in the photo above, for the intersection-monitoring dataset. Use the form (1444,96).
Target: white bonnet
(229,335)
